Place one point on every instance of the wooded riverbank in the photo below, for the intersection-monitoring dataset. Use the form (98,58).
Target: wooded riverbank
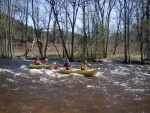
(75,29)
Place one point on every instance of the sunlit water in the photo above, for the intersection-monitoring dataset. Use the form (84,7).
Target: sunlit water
(115,88)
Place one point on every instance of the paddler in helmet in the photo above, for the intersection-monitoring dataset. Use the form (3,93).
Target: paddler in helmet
(84,65)
(67,65)
(46,61)
(37,61)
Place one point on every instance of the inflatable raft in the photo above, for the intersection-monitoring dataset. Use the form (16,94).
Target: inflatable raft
(88,73)
(33,66)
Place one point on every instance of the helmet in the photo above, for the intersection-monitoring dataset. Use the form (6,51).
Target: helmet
(46,59)
(67,60)
(37,58)
(85,61)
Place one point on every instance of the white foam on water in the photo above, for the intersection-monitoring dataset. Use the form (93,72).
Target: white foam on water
(133,90)
(59,75)
(126,87)
(136,97)
(34,81)
(98,68)
(32,87)
(28,60)
(44,72)
(11,80)
(142,75)
(120,71)
(89,64)
(36,71)
(124,68)
(124,84)
(138,68)
(138,82)
(1,70)
(49,73)
(116,83)
(131,65)
(21,75)
(12,75)
(137,90)
(147,74)
(24,67)
(100,74)
(92,86)
(75,74)
(5,85)
(44,79)
(15,89)
(9,71)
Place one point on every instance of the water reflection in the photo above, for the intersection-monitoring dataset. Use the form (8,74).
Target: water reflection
(115,88)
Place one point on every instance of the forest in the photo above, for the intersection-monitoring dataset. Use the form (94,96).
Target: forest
(75,29)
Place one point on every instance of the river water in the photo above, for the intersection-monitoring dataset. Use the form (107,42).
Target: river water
(115,88)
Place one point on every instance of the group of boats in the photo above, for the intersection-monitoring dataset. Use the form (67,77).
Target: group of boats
(87,72)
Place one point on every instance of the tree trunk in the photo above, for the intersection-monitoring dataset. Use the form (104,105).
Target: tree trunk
(125,31)
(84,30)
(37,31)
(57,21)
(147,29)
(47,34)
(9,29)
(26,32)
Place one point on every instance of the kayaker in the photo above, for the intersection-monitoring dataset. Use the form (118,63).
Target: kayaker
(67,64)
(46,61)
(84,65)
(55,67)
(37,61)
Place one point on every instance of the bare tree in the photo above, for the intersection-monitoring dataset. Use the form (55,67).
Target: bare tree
(100,11)
(56,7)
(110,7)
(26,30)
(147,13)
(84,5)
(9,30)
(72,17)
(118,24)
(37,27)
(140,27)
(125,31)
(47,27)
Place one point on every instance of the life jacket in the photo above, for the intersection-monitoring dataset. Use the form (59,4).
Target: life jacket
(55,67)
(45,62)
(37,62)
(83,66)
(67,64)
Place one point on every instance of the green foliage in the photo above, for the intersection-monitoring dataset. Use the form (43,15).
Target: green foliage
(102,33)
(18,29)
(30,37)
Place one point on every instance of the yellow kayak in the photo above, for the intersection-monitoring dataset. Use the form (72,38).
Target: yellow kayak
(88,72)
(33,66)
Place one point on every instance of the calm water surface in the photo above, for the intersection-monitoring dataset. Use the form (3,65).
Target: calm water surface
(115,88)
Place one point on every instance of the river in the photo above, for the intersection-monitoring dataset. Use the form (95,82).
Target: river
(115,88)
